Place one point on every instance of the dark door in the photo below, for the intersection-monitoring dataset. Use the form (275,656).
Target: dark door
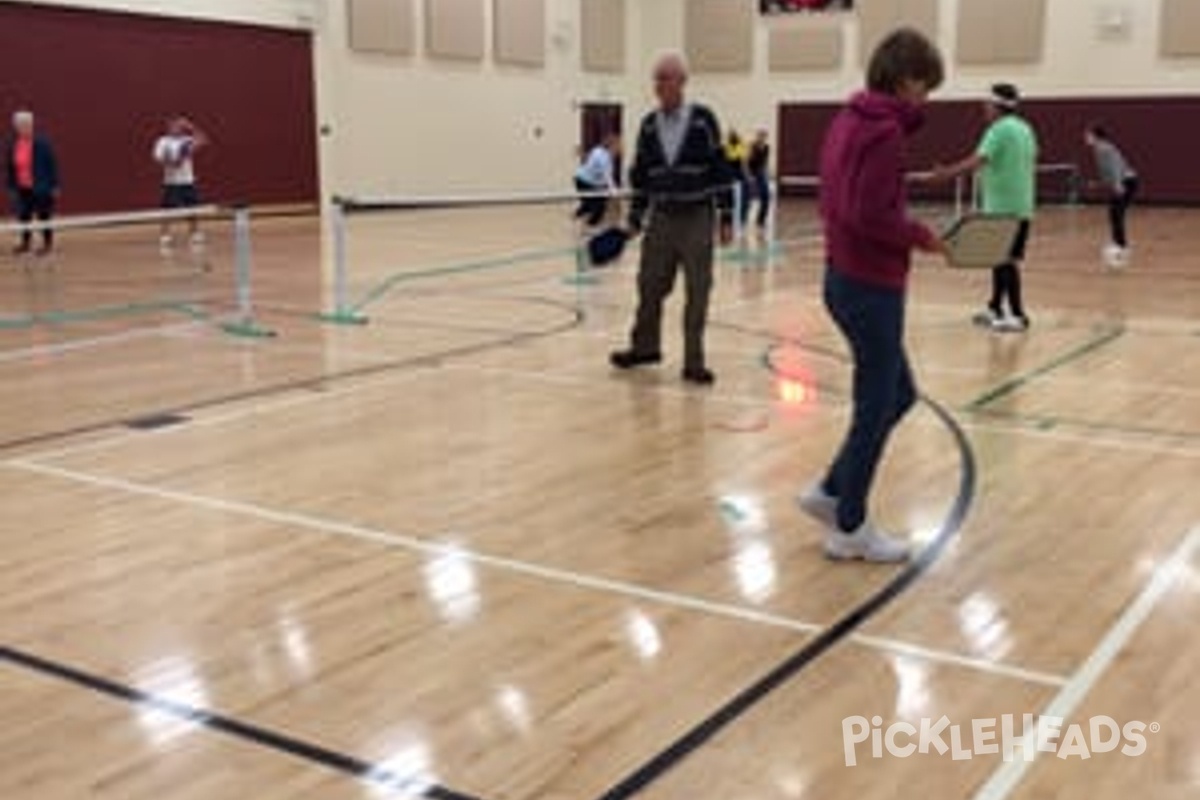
(596,120)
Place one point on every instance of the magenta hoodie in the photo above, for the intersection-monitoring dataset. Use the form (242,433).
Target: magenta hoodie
(869,235)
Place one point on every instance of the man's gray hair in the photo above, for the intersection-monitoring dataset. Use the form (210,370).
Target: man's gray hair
(674,58)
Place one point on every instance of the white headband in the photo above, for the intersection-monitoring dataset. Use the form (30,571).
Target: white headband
(1007,103)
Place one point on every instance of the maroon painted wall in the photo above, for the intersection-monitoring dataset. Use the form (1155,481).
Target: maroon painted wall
(1156,133)
(102,83)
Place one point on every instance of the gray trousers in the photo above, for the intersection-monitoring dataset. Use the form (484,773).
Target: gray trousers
(681,236)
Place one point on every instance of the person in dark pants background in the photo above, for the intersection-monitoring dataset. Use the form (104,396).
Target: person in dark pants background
(758,165)
(681,179)
(869,237)
(32,173)
(1121,182)
(737,153)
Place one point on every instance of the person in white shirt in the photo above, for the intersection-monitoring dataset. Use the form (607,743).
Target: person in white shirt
(597,174)
(174,150)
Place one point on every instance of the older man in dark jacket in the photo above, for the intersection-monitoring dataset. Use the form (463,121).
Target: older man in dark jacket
(683,184)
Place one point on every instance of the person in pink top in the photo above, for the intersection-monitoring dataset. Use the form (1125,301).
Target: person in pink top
(32,178)
(869,239)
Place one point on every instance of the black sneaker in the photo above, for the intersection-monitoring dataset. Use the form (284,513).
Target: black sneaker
(699,376)
(628,359)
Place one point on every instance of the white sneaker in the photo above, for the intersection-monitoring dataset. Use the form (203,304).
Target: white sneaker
(866,544)
(1010,325)
(166,244)
(817,504)
(986,318)
(1112,255)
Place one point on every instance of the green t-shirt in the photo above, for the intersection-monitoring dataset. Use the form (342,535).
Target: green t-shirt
(1009,178)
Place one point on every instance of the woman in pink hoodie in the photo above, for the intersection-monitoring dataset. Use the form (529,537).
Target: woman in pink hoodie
(869,239)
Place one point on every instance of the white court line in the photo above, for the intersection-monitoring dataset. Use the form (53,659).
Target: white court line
(267,406)
(95,341)
(767,403)
(578,382)
(918,651)
(551,574)
(1005,780)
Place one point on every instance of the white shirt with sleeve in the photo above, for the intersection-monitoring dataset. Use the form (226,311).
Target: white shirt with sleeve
(175,155)
(597,170)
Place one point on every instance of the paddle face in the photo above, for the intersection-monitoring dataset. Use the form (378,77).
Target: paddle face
(607,246)
(981,240)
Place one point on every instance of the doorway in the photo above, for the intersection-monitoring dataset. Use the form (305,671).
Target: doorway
(596,120)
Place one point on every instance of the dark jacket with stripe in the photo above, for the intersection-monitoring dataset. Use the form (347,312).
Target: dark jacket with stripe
(700,174)
(45,166)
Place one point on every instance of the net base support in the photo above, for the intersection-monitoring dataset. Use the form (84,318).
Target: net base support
(343,318)
(581,279)
(247,329)
(752,255)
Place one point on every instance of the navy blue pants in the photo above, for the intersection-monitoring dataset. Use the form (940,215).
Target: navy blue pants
(872,321)
(32,204)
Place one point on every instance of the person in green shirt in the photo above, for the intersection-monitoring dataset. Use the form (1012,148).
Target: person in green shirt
(1006,165)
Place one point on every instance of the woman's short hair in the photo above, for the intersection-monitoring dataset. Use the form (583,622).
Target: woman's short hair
(906,54)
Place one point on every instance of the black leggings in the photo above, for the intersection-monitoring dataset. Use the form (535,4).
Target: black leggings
(29,205)
(1006,277)
(1118,207)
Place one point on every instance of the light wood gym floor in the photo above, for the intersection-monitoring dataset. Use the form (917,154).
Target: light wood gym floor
(449,554)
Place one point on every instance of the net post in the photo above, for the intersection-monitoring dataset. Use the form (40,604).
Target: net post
(244,323)
(1074,186)
(739,252)
(736,251)
(581,275)
(739,211)
(773,248)
(342,313)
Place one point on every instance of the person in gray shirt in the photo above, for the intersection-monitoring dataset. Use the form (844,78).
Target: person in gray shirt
(1121,183)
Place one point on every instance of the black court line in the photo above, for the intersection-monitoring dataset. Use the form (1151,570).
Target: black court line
(153,422)
(1011,385)
(282,743)
(687,745)
(315,381)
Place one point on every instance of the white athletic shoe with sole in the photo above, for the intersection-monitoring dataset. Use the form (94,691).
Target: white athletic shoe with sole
(817,504)
(1011,325)
(866,544)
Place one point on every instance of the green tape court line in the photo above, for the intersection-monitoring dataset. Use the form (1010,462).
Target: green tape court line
(100,313)
(380,291)
(1015,383)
